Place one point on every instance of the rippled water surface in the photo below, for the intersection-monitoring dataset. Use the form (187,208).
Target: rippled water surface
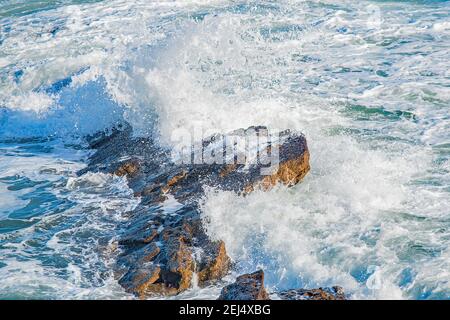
(368,82)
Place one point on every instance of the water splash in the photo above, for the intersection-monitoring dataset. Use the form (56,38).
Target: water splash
(367,82)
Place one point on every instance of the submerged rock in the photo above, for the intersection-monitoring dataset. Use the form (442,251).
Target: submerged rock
(247,287)
(163,248)
(334,293)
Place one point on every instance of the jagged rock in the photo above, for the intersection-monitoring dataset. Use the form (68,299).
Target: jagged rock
(214,265)
(334,293)
(251,287)
(161,251)
(138,280)
(289,173)
(247,287)
(176,257)
(178,261)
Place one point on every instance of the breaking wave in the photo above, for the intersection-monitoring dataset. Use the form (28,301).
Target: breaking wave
(366,81)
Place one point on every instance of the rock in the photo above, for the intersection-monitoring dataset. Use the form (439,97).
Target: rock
(161,251)
(334,293)
(138,280)
(251,287)
(292,167)
(247,287)
(128,168)
(178,261)
(139,237)
(173,181)
(173,256)
(214,265)
(289,173)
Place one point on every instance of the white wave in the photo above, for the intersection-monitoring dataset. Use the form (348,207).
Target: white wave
(330,229)
(367,84)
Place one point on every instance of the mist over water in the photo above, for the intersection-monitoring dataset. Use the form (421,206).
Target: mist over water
(367,82)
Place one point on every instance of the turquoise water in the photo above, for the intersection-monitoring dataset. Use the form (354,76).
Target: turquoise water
(17,8)
(368,82)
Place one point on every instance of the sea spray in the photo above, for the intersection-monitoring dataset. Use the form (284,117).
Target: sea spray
(366,83)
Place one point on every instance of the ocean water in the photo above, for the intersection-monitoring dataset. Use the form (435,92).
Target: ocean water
(368,82)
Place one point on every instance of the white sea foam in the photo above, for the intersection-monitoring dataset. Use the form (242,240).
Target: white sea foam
(75,248)
(333,227)
(367,84)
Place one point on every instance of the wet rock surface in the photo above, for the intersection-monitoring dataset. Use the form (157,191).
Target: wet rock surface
(247,287)
(164,244)
(251,287)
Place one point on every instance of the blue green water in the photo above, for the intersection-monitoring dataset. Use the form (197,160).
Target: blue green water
(17,8)
(368,83)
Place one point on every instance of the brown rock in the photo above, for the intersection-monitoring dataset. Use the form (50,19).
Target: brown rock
(173,181)
(137,281)
(227,170)
(129,168)
(289,173)
(246,287)
(148,253)
(180,265)
(154,176)
(175,267)
(216,266)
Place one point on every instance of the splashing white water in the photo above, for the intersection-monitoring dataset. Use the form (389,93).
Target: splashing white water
(367,82)
(333,228)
